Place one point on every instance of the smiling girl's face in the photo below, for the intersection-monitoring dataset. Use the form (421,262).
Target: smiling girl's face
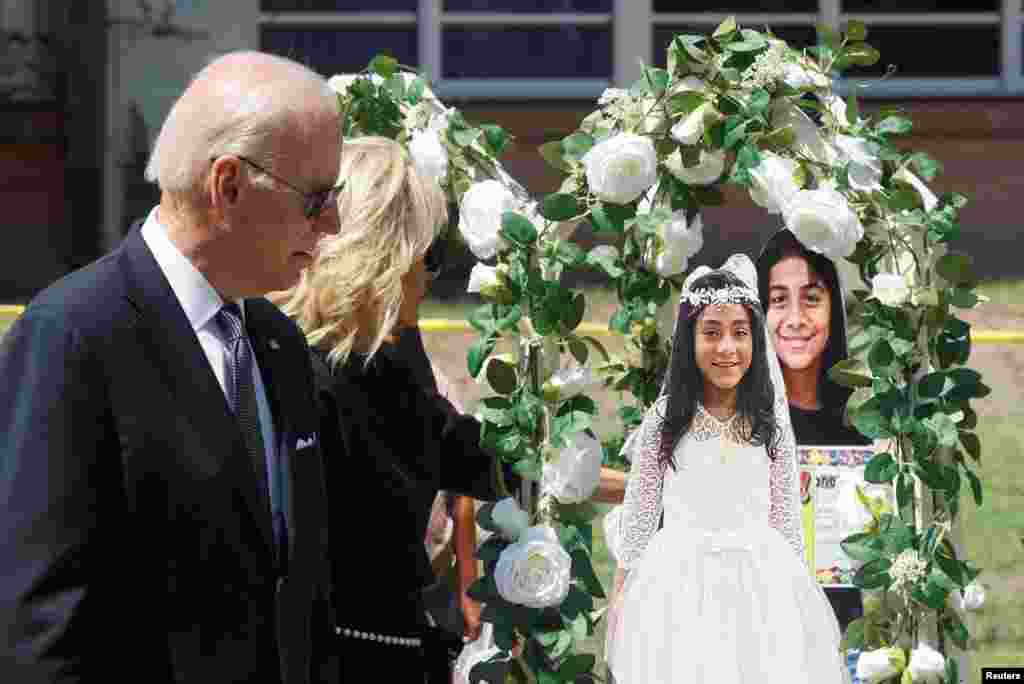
(723,348)
(799,313)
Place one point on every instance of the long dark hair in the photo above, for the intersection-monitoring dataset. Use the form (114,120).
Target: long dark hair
(782,245)
(755,396)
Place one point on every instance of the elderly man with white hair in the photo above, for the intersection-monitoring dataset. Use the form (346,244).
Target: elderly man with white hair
(161,495)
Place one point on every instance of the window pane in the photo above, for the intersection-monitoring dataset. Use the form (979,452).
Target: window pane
(339,50)
(338,5)
(528,5)
(736,6)
(797,36)
(920,5)
(528,52)
(957,51)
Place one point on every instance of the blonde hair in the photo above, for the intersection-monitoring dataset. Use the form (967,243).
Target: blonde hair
(389,215)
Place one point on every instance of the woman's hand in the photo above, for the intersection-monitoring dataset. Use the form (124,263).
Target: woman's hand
(471,617)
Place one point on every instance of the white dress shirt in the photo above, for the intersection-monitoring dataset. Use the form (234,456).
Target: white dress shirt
(201,304)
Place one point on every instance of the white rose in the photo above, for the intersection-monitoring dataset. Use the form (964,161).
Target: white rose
(775,182)
(680,242)
(709,167)
(612,95)
(865,170)
(666,320)
(429,155)
(802,75)
(535,571)
(927,666)
(619,169)
(973,597)
(572,473)
(692,126)
(568,382)
(340,83)
(610,523)
(874,666)
(824,222)
(480,216)
(510,518)
(483,279)
(928,198)
(890,289)
(808,141)
(605,252)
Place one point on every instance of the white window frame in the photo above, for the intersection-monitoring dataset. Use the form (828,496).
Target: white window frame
(633,23)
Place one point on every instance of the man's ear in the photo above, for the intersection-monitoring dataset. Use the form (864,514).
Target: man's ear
(224,184)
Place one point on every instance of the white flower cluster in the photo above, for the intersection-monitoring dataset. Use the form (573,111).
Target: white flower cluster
(907,569)
(706,296)
(767,70)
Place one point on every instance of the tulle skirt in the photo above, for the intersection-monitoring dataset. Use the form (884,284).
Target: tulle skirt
(727,607)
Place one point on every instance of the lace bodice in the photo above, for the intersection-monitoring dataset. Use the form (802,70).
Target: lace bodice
(720,482)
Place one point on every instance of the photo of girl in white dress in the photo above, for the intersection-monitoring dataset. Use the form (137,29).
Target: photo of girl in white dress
(720,593)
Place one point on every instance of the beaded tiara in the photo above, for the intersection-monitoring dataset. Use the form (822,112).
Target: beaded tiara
(695,300)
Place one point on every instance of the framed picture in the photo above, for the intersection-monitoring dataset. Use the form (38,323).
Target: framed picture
(832,511)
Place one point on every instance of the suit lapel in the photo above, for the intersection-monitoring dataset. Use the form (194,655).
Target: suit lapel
(164,328)
(274,370)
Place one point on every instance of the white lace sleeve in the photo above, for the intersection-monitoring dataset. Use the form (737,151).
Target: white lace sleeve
(641,508)
(784,513)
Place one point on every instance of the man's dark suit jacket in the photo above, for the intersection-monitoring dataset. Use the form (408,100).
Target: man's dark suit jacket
(134,542)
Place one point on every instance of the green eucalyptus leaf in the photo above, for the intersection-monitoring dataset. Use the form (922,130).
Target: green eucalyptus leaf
(501,376)
(725,29)
(894,125)
(577,145)
(496,138)
(863,547)
(962,297)
(464,137)
(970,444)
(860,54)
(856,31)
(682,104)
(932,385)
(559,206)
(881,358)
(944,428)
(976,488)
(583,570)
(874,574)
(657,80)
(953,344)
(490,550)
(851,373)
(854,635)
(517,229)
(956,268)
(958,634)
(579,350)
(383,65)
(554,154)
(576,665)
(396,86)
(930,474)
(882,468)
(572,315)
(478,353)
(527,469)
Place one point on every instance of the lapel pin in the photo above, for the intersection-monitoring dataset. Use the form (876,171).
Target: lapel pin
(274,345)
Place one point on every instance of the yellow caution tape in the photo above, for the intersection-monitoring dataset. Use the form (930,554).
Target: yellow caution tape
(449,325)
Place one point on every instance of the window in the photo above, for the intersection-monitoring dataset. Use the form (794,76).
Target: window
(573,49)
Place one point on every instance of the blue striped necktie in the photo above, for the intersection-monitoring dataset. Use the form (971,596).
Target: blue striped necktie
(241,393)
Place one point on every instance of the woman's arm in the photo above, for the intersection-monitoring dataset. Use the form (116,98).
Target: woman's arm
(464,517)
(611,488)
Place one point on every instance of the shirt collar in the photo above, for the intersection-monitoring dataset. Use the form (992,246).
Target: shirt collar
(195,294)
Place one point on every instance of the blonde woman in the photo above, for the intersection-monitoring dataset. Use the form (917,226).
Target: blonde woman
(389,442)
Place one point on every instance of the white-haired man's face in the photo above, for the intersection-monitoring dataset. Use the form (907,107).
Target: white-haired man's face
(271,222)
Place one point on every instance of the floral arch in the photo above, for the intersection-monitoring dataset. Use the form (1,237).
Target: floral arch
(735,107)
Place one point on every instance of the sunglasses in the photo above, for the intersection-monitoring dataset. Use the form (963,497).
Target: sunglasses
(317,201)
